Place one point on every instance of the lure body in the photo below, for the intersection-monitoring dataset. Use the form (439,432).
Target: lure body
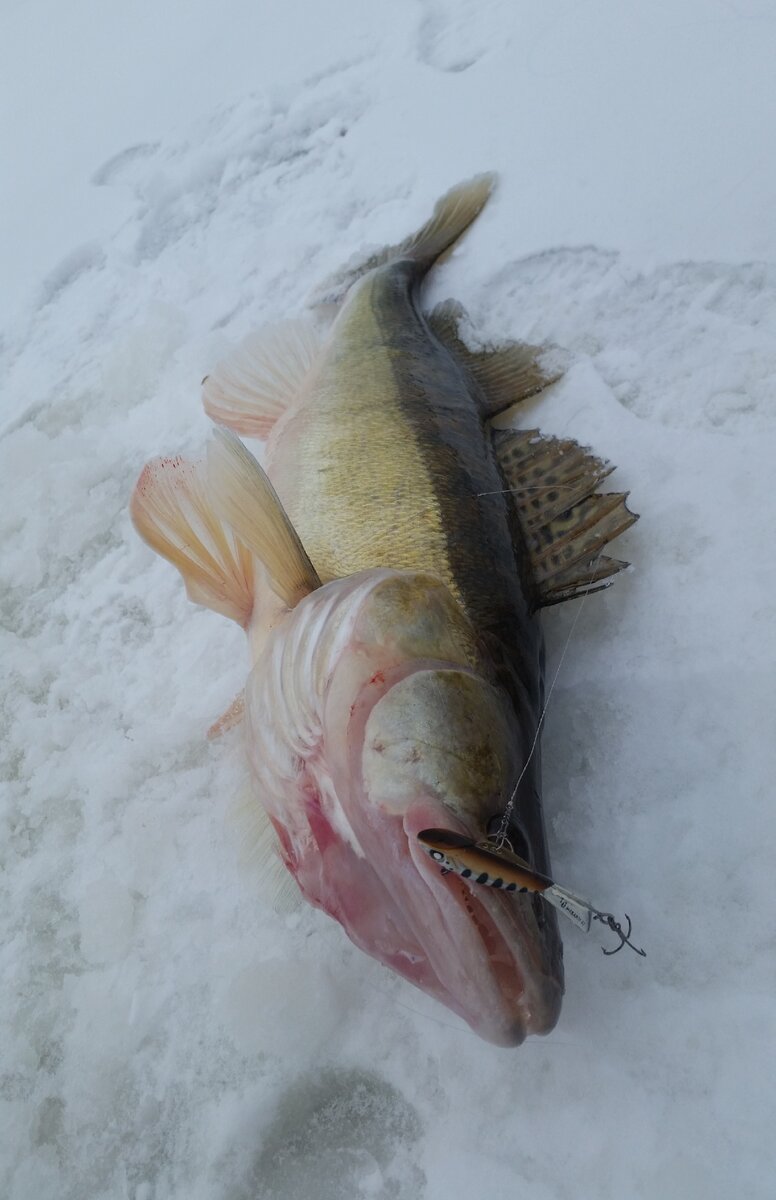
(499,869)
(464,857)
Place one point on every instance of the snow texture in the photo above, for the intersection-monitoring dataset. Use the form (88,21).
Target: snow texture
(181,175)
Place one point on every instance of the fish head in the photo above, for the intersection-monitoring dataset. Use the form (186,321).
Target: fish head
(371,719)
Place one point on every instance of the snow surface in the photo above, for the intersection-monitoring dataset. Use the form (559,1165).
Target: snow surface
(180,175)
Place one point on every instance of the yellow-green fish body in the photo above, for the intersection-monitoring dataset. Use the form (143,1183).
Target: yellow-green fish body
(389,568)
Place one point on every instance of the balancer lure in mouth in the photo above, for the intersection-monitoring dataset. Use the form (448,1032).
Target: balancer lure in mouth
(499,869)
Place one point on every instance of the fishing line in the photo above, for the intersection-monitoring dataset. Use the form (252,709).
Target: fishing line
(500,837)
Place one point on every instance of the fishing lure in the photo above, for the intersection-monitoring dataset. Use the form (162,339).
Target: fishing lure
(479,863)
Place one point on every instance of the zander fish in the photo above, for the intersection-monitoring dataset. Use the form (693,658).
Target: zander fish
(389,569)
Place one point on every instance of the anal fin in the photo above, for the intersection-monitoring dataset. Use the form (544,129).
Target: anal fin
(171,511)
(249,389)
(566,523)
(506,374)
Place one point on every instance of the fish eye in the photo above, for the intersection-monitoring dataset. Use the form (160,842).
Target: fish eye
(437,855)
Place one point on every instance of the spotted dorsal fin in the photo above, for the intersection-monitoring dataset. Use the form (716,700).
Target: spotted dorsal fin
(564,521)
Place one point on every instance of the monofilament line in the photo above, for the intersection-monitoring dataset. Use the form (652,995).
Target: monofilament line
(501,835)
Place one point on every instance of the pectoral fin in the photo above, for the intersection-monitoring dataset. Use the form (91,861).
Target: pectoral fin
(250,388)
(249,504)
(565,523)
(172,512)
(505,374)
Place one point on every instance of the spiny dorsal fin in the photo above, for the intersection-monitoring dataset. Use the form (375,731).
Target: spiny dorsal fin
(452,216)
(251,506)
(250,388)
(565,522)
(592,575)
(506,374)
(172,512)
(549,474)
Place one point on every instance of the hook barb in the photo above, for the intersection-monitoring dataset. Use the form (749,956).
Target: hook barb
(612,923)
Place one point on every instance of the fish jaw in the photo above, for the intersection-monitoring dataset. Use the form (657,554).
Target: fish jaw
(469,947)
(436,748)
(374,739)
(484,953)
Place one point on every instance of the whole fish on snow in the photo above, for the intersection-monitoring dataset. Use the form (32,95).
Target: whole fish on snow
(390,578)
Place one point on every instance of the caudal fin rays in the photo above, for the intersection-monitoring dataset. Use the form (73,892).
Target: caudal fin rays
(452,216)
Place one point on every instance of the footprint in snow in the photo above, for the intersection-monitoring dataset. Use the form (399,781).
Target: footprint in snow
(339,1133)
(439,41)
(118,164)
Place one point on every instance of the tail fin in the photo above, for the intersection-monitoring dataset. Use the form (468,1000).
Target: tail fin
(452,216)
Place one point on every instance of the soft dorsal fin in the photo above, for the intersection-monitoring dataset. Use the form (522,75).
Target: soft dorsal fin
(172,512)
(250,388)
(506,374)
(250,505)
(564,521)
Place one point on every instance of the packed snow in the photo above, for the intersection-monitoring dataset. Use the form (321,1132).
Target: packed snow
(180,175)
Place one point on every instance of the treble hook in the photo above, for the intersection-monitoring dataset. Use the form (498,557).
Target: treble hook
(612,923)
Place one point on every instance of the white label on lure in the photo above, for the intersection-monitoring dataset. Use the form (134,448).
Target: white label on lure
(575,909)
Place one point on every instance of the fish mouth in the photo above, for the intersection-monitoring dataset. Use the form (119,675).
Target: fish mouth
(481,944)
(490,957)
(473,949)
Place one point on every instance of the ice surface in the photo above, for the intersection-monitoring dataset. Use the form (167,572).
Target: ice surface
(182,174)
